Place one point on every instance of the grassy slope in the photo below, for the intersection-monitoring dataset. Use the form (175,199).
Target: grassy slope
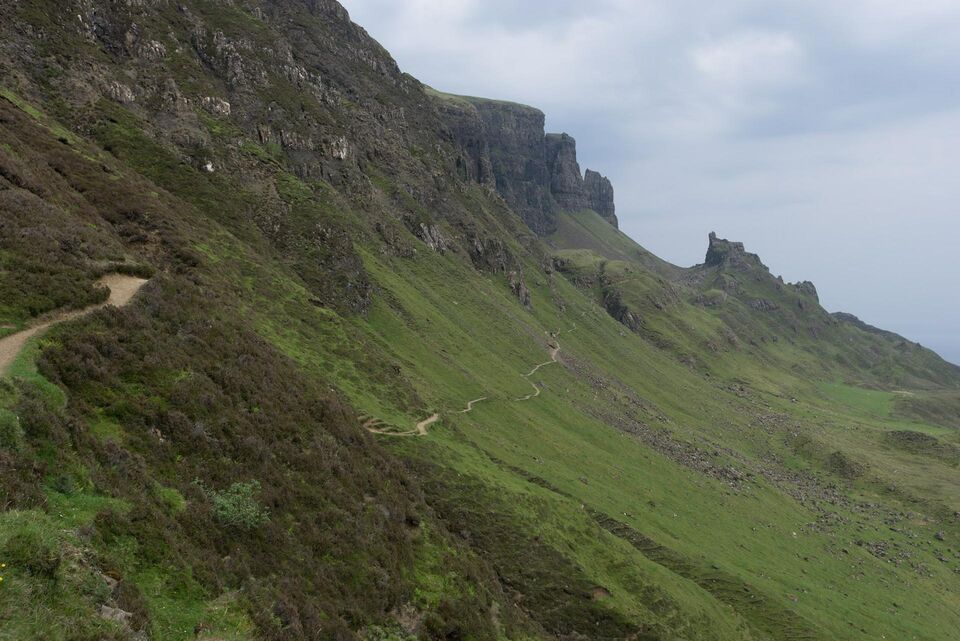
(746,533)
(574,510)
(159,558)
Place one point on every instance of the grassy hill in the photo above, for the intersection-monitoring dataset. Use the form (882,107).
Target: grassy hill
(651,452)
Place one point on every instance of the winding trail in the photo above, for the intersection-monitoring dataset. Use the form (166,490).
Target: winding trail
(122,290)
(420,429)
(470,404)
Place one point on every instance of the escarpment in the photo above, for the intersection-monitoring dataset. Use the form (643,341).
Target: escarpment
(505,145)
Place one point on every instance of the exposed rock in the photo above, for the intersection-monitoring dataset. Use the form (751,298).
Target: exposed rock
(566,183)
(722,252)
(516,143)
(431,235)
(504,145)
(121,93)
(728,284)
(116,615)
(615,306)
(519,288)
(216,106)
(807,289)
(600,196)
(490,255)
(763,305)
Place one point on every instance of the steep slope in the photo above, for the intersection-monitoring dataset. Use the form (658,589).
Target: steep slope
(338,255)
(779,326)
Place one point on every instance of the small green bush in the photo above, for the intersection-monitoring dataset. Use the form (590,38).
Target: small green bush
(237,506)
(29,551)
(171,498)
(11,435)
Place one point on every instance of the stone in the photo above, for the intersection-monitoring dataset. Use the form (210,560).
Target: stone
(519,288)
(433,237)
(504,146)
(116,615)
(807,289)
(566,183)
(599,192)
(727,253)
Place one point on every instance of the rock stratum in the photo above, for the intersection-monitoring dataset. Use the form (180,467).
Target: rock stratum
(339,409)
(504,145)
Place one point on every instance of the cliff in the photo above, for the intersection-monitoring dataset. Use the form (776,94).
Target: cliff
(504,145)
(599,191)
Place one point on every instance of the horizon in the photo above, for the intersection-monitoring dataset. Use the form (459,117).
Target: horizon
(789,129)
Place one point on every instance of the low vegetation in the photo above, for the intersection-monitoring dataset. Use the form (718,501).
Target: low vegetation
(708,455)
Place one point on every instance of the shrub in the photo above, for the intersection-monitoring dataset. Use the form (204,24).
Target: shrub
(11,436)
(237,506)
(171,498)
(385,633)
(29,551)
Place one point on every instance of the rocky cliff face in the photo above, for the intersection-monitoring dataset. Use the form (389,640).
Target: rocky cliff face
(513,137)
(566,182)
(600,196)
(504,145)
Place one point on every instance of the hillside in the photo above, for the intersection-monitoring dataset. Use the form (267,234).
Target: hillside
(388,369)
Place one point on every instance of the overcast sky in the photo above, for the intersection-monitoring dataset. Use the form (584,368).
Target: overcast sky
(824,134)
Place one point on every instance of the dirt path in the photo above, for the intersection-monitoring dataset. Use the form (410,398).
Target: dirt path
(122,289)
(370,424)
(470,404)
(554,355)
(419,430)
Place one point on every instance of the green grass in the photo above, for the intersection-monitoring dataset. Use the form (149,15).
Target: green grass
(179,607)
(874,403)
(49,590)
(756,535)
(24,368)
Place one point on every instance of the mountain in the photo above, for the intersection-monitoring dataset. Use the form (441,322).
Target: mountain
(296,347)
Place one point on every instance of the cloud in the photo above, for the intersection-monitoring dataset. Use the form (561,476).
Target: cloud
(749,60)
(821,133)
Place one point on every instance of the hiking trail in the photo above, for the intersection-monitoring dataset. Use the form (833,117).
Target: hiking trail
(372,424)
(122,290)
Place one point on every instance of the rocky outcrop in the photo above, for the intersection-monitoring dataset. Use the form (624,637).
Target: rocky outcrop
(433,237)
(514,138)
(519,287)
(807,289)
(599,191)
(566,183)
(726,253)
(504,145)
(763,305)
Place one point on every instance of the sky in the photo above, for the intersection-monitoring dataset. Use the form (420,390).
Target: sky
(825,135)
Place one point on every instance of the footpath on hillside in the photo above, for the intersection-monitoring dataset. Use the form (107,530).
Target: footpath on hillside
(373,425)
(122,290)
